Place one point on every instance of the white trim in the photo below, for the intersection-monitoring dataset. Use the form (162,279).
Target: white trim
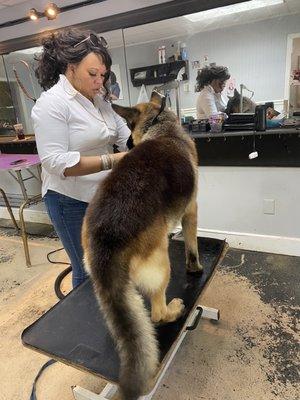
(251,241)
(37,216)
(288,61)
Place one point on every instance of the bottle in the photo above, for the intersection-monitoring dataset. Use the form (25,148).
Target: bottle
(163,54)
(177,53)
(260,118)
(183,52)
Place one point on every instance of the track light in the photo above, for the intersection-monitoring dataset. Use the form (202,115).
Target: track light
(33,14)
(51,11)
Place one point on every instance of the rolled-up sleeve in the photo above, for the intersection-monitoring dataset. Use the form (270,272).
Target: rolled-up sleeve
(123,132)
(50,123)
(206,104)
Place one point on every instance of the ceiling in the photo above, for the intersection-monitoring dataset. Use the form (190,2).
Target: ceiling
(180,26)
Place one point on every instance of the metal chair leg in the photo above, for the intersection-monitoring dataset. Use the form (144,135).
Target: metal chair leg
(9,209)
(23,232)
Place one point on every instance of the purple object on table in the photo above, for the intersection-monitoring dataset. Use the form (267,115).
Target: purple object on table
(18,161)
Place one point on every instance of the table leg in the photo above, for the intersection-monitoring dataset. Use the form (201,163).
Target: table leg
(9,209)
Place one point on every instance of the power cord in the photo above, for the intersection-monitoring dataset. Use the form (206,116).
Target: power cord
(61,276)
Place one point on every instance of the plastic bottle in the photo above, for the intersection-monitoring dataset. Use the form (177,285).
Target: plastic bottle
(183,52)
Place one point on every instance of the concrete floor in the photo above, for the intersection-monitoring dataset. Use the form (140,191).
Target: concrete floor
(251,353)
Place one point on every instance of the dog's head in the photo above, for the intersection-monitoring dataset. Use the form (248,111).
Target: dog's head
(233,105)
(142,116)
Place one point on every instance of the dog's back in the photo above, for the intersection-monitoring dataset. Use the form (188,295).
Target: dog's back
(125,243)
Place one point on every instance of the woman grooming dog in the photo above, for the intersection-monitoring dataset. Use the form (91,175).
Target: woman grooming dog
(75,128)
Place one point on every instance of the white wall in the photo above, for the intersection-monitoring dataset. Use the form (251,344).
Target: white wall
(231,206)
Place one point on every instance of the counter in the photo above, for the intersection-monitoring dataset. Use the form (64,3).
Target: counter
(276,148)
(12,145)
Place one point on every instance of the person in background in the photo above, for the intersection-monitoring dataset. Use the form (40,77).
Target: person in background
(75,128)
(211,81)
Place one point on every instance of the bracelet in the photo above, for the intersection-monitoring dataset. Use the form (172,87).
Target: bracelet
(106,162)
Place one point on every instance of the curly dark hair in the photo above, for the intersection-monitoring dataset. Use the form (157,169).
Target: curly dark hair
(58,52)
(209,73)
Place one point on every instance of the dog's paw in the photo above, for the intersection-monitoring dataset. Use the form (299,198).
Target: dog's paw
(193,265)
(175,308)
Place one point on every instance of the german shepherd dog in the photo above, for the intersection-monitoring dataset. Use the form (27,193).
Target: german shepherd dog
(125,237)
(248,106)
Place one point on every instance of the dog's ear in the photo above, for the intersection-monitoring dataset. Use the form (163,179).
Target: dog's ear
(130,114)
(236,93)
(157,98)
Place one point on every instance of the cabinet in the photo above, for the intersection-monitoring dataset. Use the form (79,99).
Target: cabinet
(157,74)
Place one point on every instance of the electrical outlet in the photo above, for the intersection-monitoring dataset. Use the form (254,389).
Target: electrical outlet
(269,206)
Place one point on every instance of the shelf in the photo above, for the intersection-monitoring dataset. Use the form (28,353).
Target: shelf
(157,74)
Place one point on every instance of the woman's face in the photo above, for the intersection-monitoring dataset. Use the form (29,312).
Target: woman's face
(218,85)
(87,76)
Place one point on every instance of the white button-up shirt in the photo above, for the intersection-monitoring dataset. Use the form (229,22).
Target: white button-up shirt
(209,102)
(67,125)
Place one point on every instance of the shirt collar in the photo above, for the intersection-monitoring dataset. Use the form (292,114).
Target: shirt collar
(67,86)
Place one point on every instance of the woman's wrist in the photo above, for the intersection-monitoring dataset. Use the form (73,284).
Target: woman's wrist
(107,162)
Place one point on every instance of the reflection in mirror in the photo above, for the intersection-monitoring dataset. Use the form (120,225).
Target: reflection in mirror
(23,84)
(250,39)
(7,111)
(25,89)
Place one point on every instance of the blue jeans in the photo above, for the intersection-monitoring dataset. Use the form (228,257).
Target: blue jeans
(67,215)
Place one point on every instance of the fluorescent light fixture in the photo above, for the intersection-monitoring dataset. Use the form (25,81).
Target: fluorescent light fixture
(232,9)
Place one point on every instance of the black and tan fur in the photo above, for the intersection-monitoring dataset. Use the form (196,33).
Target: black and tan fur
(125,237)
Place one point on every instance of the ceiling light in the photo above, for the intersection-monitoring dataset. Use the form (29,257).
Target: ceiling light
(51,11)
(33,14)
(232,9)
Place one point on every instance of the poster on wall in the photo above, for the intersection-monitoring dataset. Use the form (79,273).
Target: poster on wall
(116,83)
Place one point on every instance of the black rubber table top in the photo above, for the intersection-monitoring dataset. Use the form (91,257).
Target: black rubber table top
(74,332)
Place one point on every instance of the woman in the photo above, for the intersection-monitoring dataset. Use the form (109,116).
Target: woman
(75,129)
(211,82)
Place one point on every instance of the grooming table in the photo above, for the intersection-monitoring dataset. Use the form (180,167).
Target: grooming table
(74,332)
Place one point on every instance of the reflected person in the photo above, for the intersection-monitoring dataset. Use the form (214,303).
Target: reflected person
(211,81)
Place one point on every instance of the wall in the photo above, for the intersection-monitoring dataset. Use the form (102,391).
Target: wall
(231,205)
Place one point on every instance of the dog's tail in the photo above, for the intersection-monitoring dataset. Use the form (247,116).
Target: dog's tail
(128,322)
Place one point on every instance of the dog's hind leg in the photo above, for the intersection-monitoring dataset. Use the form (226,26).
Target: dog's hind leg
(160,310)
(189,230)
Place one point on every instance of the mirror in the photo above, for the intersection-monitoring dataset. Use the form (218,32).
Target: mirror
(249,38)
(23,84)
(7,110)
(24,87)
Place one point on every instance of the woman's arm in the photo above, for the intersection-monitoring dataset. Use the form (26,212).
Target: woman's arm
(90,165)
(50,120)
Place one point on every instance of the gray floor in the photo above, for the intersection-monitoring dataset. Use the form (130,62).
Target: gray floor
(251,353)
